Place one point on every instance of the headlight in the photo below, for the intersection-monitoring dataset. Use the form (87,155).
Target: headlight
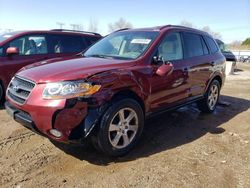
(69,89)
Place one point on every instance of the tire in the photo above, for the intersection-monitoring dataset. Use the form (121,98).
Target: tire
(1,94)
(211,98)
(121,127)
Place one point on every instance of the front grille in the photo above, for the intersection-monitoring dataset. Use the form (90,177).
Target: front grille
(19,89)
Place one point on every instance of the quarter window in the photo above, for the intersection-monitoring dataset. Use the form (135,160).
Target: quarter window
(193,45)
(171,48)
(205,49)
(212,45)
(30,45)
(67,44)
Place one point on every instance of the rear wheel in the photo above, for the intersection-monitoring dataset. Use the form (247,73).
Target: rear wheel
(1,94)
(209,103)
(120,128)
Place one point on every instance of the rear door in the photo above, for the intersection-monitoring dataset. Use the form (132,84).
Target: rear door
(197,56)
(32,48)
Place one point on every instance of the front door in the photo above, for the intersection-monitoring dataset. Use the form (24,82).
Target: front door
(32,48)
(169,90)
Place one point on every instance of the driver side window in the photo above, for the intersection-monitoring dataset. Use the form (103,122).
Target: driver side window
(171,48)
(30,45)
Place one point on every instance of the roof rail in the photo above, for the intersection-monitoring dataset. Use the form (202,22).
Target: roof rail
(69,30)
(122,29)
(180,26)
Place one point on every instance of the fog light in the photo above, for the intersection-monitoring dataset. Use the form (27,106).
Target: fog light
(55,133)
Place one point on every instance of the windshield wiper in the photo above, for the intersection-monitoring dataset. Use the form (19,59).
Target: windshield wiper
(101,56)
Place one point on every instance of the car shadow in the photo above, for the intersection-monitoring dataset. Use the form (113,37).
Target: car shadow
(2,107)
(167,131)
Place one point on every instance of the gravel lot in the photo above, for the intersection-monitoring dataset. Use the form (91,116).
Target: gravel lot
(183,148)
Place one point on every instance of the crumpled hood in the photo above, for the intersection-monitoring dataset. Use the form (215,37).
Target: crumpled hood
(71,69)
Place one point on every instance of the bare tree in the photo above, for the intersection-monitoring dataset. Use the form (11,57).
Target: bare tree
(93,25)
(207,29)
(216,35)
(187,24)
(235,44)
(120,24)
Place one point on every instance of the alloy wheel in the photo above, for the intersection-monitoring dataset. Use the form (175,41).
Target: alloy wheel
(123,128)
(213,96)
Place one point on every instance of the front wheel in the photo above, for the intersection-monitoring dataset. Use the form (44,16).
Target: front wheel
(120,128)
(211,98)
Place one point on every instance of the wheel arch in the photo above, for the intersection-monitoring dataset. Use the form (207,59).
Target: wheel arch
(129,93)
(215,77)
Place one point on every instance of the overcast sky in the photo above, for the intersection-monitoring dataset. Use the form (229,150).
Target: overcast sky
(230,18)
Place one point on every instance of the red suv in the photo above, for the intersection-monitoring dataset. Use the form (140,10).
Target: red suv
(18,49)
(122,79)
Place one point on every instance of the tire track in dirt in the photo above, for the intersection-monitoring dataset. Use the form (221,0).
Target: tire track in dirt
(27,162)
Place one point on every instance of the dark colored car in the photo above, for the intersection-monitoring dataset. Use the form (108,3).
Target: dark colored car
(18,49)
(227,53)
(124,78)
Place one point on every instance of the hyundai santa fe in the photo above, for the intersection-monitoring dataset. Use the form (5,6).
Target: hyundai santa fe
(18,49)
(126,77)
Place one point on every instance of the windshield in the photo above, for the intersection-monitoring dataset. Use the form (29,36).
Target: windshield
(122,45)
(4,37)
(7,35)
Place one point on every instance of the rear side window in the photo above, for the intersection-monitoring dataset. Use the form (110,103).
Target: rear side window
(193,45)
(91,40)
(30,45)
(212,45)
(66,44)
(171,47)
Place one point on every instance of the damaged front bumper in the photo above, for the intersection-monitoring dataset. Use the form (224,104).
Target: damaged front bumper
(70,124)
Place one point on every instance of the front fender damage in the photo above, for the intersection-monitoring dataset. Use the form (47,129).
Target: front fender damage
(91,121)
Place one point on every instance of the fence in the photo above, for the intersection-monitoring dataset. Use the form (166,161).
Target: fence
(241,53)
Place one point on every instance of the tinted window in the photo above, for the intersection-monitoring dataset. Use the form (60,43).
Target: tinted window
(205,49)
(30,45)
(212,45)
(66,44)
(171,47)
(91,40)
(193,45)
(1,51)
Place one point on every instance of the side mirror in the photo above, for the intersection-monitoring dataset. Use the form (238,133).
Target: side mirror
(158,59)
(165,69)
(12,51)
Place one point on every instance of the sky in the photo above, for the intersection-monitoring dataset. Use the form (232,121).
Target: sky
(228,17)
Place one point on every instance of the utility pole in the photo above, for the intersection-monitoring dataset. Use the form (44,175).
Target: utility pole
(60,24)
(76,27)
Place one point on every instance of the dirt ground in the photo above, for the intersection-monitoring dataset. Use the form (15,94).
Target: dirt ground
(183,148)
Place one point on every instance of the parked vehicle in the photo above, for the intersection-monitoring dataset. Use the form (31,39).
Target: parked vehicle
(18,49)
(227,53)
(124,78)
(244,59)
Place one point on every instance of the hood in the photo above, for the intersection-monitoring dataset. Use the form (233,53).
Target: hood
(72,69)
